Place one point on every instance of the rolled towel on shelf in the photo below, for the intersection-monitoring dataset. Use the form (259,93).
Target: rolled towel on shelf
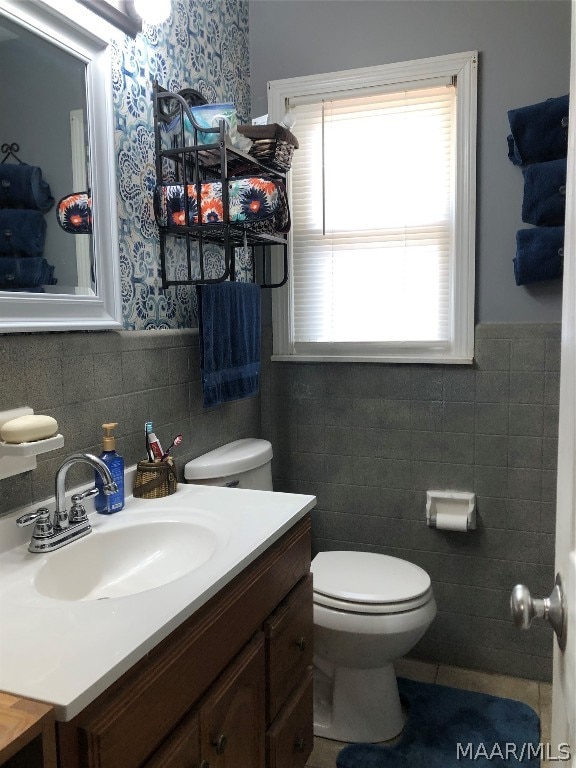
(31,272)
(22,186)
(22,232)
(539,132)
(539,254)
(544,202)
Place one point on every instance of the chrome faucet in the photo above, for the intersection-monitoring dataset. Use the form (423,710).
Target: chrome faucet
(49,535)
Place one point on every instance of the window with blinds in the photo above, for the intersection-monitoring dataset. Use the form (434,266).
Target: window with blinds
(379,257)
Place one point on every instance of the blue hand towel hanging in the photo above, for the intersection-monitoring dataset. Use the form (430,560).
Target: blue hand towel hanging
(544,201)
(539,132)
(229,330)
(539,254)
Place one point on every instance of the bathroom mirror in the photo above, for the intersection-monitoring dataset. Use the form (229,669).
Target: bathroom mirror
(56,115)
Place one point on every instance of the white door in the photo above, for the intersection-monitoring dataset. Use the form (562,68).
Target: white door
(563,740)
(564,679)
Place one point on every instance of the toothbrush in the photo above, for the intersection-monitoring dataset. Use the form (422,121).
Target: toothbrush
(147,432)
(177,440)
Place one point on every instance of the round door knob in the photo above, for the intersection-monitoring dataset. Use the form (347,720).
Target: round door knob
(220,744)
(301,643)
(524,608)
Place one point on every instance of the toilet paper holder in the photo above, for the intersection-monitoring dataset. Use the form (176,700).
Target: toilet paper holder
(451,510)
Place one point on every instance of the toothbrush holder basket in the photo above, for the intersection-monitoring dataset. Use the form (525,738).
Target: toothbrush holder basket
(154,479)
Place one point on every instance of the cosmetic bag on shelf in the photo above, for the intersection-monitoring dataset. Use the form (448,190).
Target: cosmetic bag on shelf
(259,203)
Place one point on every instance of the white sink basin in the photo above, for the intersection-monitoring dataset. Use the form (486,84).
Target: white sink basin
(126,561)
(157,561)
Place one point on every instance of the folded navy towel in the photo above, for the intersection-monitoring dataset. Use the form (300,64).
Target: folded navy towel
(539,254)
(22,186)
(538,134)
(229,329)
(544,202)
(30,272)
(22,232)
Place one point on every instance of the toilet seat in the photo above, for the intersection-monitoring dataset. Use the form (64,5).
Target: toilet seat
(366,582)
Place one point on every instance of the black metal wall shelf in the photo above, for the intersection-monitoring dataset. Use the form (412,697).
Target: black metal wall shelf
(184,247)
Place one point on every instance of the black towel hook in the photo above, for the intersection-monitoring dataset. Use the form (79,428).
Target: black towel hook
(10,150)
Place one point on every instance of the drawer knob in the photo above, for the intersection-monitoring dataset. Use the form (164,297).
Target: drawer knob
(301,643)
(299,745)
(220,744)
(204,764)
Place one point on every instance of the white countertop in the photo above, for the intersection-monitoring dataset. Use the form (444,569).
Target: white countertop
(67,652)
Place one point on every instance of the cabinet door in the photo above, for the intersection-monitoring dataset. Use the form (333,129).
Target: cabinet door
(232,727)
(289,633)
(290,739)
(182,748)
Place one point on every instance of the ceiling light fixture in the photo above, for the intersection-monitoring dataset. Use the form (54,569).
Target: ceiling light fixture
(128,15)
(153,11)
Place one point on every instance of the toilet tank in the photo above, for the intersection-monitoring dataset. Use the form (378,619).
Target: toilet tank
(242,464)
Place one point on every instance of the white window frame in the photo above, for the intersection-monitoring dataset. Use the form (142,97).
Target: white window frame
(462,67)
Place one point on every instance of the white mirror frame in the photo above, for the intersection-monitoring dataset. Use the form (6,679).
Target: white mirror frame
(66,312)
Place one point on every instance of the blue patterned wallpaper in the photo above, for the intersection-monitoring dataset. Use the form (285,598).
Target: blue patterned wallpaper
(203,45)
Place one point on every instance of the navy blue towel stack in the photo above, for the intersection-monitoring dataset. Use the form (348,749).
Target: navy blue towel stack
(24,199)
(539,142)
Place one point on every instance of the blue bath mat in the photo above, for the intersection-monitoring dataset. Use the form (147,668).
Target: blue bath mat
(452,728)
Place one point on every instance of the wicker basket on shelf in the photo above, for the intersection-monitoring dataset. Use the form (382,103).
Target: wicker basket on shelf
(272,144)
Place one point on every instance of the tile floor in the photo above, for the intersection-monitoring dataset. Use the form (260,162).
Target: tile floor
(536,695)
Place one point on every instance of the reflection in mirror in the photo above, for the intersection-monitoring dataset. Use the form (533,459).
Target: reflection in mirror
(43,117)
(59,260)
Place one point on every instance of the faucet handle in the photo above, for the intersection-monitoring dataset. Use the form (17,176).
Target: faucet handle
(41,517)
(77,512)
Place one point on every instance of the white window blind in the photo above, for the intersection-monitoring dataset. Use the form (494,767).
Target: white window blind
(383,198)
(372,188)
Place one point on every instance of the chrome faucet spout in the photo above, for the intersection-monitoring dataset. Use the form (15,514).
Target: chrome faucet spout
(50,535)
(110,486)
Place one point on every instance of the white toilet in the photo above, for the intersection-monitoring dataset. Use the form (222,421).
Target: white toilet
(369,611)
(242,464)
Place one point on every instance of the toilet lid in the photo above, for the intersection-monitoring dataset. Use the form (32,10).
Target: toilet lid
(367,577)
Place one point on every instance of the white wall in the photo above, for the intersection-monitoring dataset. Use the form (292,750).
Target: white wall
(524,50)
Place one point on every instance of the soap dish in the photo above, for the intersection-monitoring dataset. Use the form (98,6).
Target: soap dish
(31,449)
(16,458)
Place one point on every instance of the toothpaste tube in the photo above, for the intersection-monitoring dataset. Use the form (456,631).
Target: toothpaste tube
(155,446)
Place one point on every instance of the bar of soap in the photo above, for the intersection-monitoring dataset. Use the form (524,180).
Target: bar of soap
(28,429)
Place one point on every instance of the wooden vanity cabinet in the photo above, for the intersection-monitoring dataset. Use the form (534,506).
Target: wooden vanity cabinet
(289,679)
(227,728)
(203,696)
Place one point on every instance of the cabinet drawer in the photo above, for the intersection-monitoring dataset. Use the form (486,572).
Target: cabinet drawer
(182,749)
(290,739)
(289,638)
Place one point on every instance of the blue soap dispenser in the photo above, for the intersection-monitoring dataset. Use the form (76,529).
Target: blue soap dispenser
(114,502)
